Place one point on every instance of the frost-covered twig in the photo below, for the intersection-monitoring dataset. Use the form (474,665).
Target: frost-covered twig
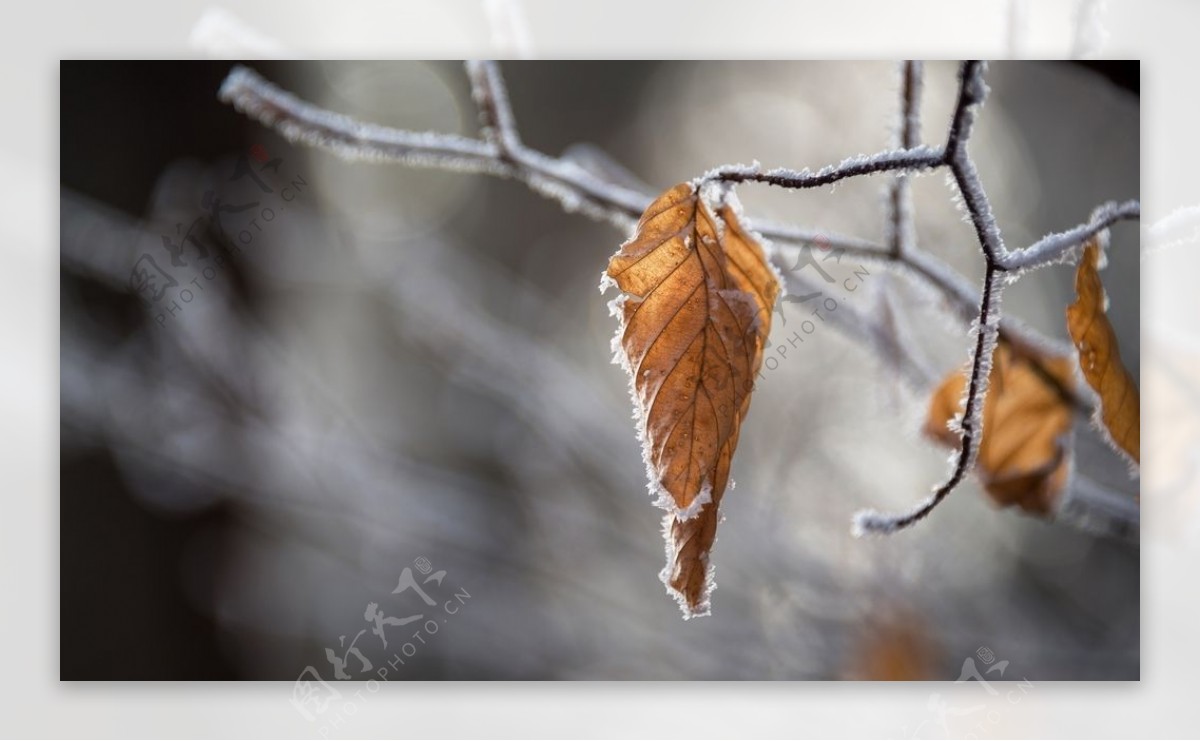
(574,187)
(1087,505)
(971,93)
(565,181)
(304,123)
(495,112)
(916,159)
(900,235)
(986,328)
(871,327)
(1055,248)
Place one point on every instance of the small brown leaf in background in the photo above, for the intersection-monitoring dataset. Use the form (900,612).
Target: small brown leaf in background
(1024,455)
(893,648)
(1100,359)
(694,316)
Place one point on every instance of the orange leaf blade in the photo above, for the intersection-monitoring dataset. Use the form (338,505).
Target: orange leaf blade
(695,311)
(1100,358)
(1024,453)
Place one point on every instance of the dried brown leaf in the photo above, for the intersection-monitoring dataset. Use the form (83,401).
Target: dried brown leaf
(894,647)
(1100,358)
(1024,452)
(695,311)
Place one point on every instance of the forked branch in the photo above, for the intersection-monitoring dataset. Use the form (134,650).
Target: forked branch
(501,152)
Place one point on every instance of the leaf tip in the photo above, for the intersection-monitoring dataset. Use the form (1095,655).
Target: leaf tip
(688,573)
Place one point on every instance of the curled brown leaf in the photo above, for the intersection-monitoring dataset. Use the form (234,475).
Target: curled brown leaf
(1024,454)
(894,646)
(1100,358)
(695,311)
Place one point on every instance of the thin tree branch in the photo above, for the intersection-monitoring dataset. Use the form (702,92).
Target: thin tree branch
(1055,248)
(900,234)
(869,521)
(866,326)
(910,110)
(304,123)
(916,159)
(972,93)
(560,179)
(496,118)
(986,328)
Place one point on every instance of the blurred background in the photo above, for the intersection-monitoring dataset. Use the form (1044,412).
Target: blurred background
(410,369)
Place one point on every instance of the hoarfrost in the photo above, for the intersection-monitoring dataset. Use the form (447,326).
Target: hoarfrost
(671,571)
(870,522)
(692,510)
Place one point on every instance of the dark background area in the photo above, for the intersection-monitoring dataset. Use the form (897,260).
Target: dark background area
(125,614)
